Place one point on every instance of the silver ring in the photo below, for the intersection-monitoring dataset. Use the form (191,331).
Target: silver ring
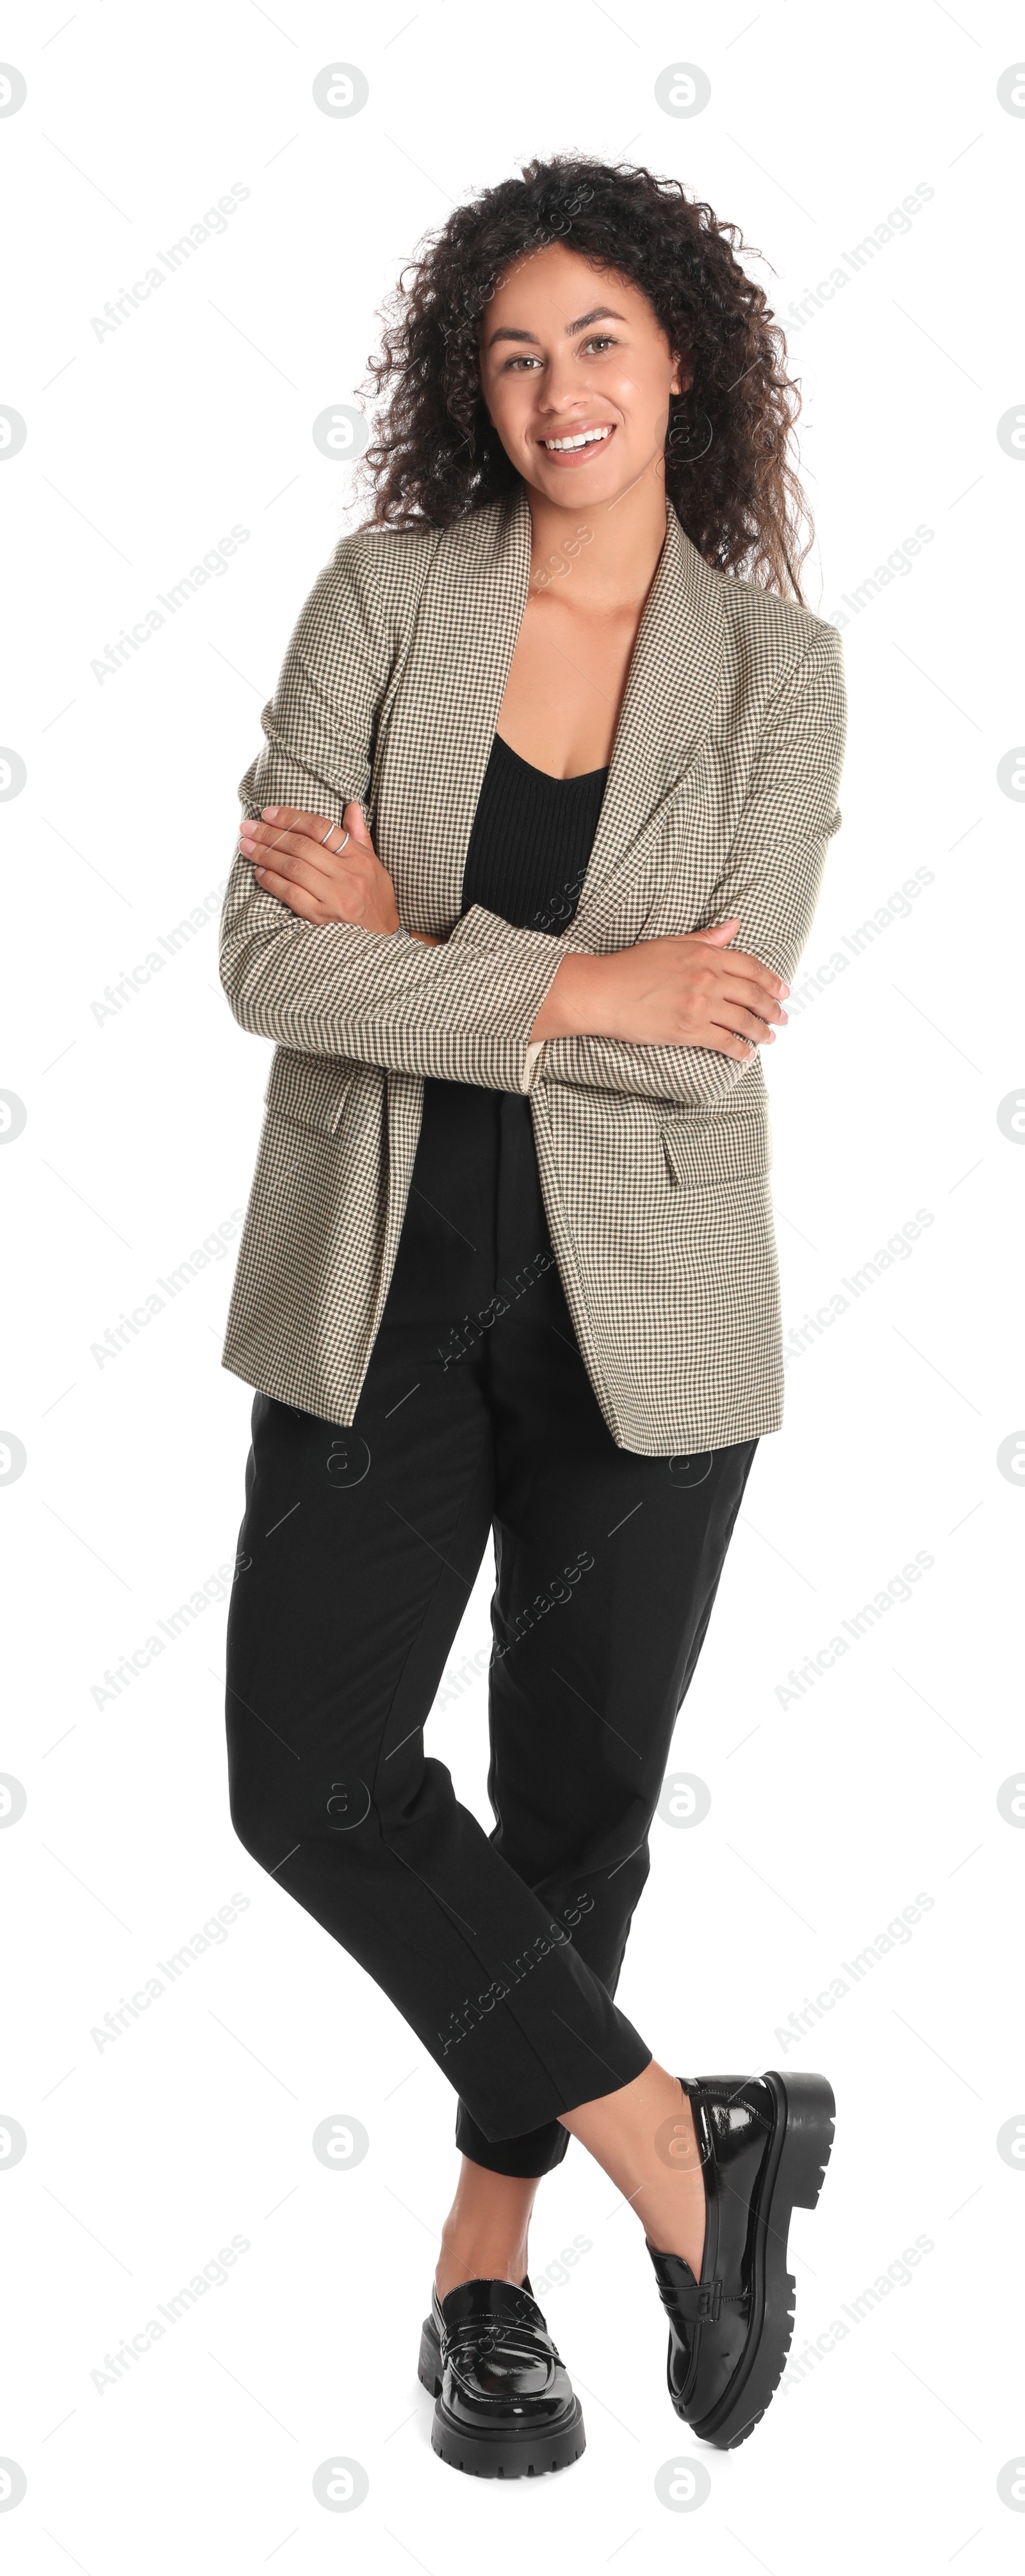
(332,827)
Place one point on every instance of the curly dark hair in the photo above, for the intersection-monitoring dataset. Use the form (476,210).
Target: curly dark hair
(436,456)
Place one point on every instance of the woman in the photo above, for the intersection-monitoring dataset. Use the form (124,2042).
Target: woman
(528,858)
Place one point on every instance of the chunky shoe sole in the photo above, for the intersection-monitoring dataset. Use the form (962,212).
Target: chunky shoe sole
(791,2179)
(509,2455)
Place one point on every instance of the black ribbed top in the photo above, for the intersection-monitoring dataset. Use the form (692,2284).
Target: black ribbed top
(531,841)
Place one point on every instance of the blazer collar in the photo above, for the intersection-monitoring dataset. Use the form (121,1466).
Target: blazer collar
(467,632)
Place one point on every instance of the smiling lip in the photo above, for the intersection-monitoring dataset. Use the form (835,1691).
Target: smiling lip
(594,435)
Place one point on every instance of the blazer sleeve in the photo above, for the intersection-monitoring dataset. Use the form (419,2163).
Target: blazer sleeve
(462,1011)
(771,881)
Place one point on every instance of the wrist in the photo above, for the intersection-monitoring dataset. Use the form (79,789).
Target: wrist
(575,1004)
(581,992)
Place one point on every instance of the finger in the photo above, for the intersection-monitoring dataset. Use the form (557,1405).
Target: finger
(265,840)
(725,1042)
(763,975)
(296,897)
(730,1015)
(717,938)
(282,819)
(752,966)
(290,817)
(303,876)
(283,835)
(753,996)
(353,820)
(271,829)
(258,840)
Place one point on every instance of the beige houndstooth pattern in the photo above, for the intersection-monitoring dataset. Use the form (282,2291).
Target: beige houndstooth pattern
(654,1161)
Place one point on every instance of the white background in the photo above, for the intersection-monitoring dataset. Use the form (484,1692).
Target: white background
(832,1808)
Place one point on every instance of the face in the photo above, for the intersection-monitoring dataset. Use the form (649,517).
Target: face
(577,376)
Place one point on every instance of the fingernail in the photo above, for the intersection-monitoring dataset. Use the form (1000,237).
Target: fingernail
(785,992)
(270,813)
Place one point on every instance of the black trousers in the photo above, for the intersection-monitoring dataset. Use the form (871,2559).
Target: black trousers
(358,1552)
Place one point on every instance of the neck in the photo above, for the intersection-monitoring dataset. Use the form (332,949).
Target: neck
(616,563)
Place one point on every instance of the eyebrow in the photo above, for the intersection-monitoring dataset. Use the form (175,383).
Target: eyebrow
(601,313)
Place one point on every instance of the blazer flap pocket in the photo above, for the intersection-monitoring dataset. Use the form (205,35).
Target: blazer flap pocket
(309,1089)
(706,1146)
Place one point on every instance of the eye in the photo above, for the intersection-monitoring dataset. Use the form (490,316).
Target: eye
(510,363)
(600,339)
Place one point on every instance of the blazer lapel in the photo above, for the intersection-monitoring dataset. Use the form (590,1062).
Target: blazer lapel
(667,707)
(442,721)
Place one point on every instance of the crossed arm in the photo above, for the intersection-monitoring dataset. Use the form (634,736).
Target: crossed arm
(306,956)
(677,991)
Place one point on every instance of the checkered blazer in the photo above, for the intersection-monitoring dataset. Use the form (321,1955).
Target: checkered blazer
(654,1160)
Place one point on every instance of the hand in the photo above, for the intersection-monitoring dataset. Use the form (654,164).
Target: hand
(293,858)
(691,991)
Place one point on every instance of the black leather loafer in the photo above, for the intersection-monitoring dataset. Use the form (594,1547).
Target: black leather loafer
(505,2406)
(429,2364)
(764,2143)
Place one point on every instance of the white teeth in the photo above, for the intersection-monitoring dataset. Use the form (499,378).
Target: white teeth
(586,438)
